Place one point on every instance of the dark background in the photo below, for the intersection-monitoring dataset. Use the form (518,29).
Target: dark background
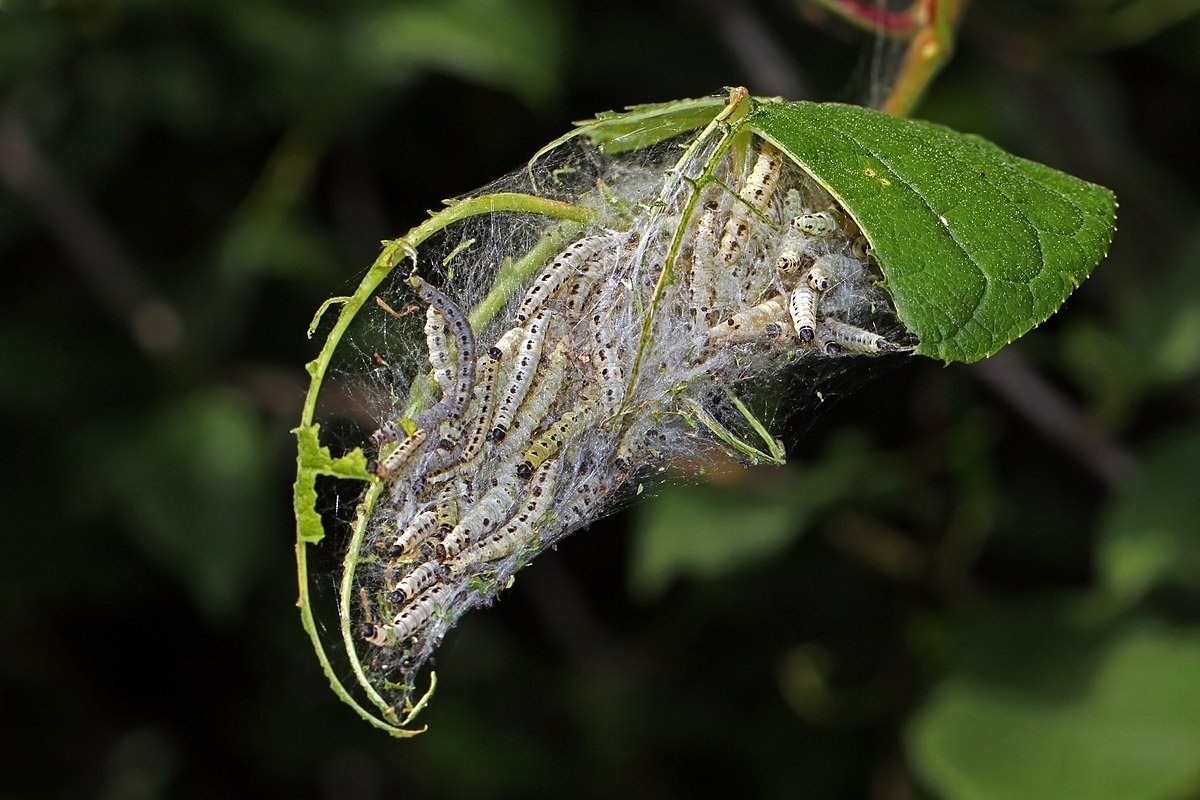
(971,581)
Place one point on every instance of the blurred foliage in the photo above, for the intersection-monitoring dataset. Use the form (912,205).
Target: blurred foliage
(1063,707)
(1148,538)
(974,582)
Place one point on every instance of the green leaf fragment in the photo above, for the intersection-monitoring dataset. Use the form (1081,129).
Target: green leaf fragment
(317,317)
(642,125)
(313,459)
(775,454)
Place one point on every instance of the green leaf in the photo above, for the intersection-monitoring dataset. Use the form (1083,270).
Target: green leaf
(1046,707)
(1149,533)
(977,246)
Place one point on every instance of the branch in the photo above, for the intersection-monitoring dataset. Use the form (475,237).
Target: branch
(1055,416)
(151,321)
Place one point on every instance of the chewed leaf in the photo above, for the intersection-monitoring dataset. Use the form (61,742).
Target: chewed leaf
(313,460)
(647,124)
(977,246)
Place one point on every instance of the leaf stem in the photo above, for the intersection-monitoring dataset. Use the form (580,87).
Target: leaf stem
(929,27)
(717,128)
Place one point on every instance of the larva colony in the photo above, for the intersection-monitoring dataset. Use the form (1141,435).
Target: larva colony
(600,371)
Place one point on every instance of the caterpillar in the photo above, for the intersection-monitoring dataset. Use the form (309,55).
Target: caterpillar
(821,223)
(548,443)
(566,264)
(411,619)
(481,517)
(528,353)
(517,531)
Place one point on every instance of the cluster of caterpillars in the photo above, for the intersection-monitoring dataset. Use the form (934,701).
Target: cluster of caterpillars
(475,477)
(810,253)
(532,434)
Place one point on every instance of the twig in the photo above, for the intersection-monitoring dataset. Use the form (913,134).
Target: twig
(927,27)
(152,322)
(1055,416)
